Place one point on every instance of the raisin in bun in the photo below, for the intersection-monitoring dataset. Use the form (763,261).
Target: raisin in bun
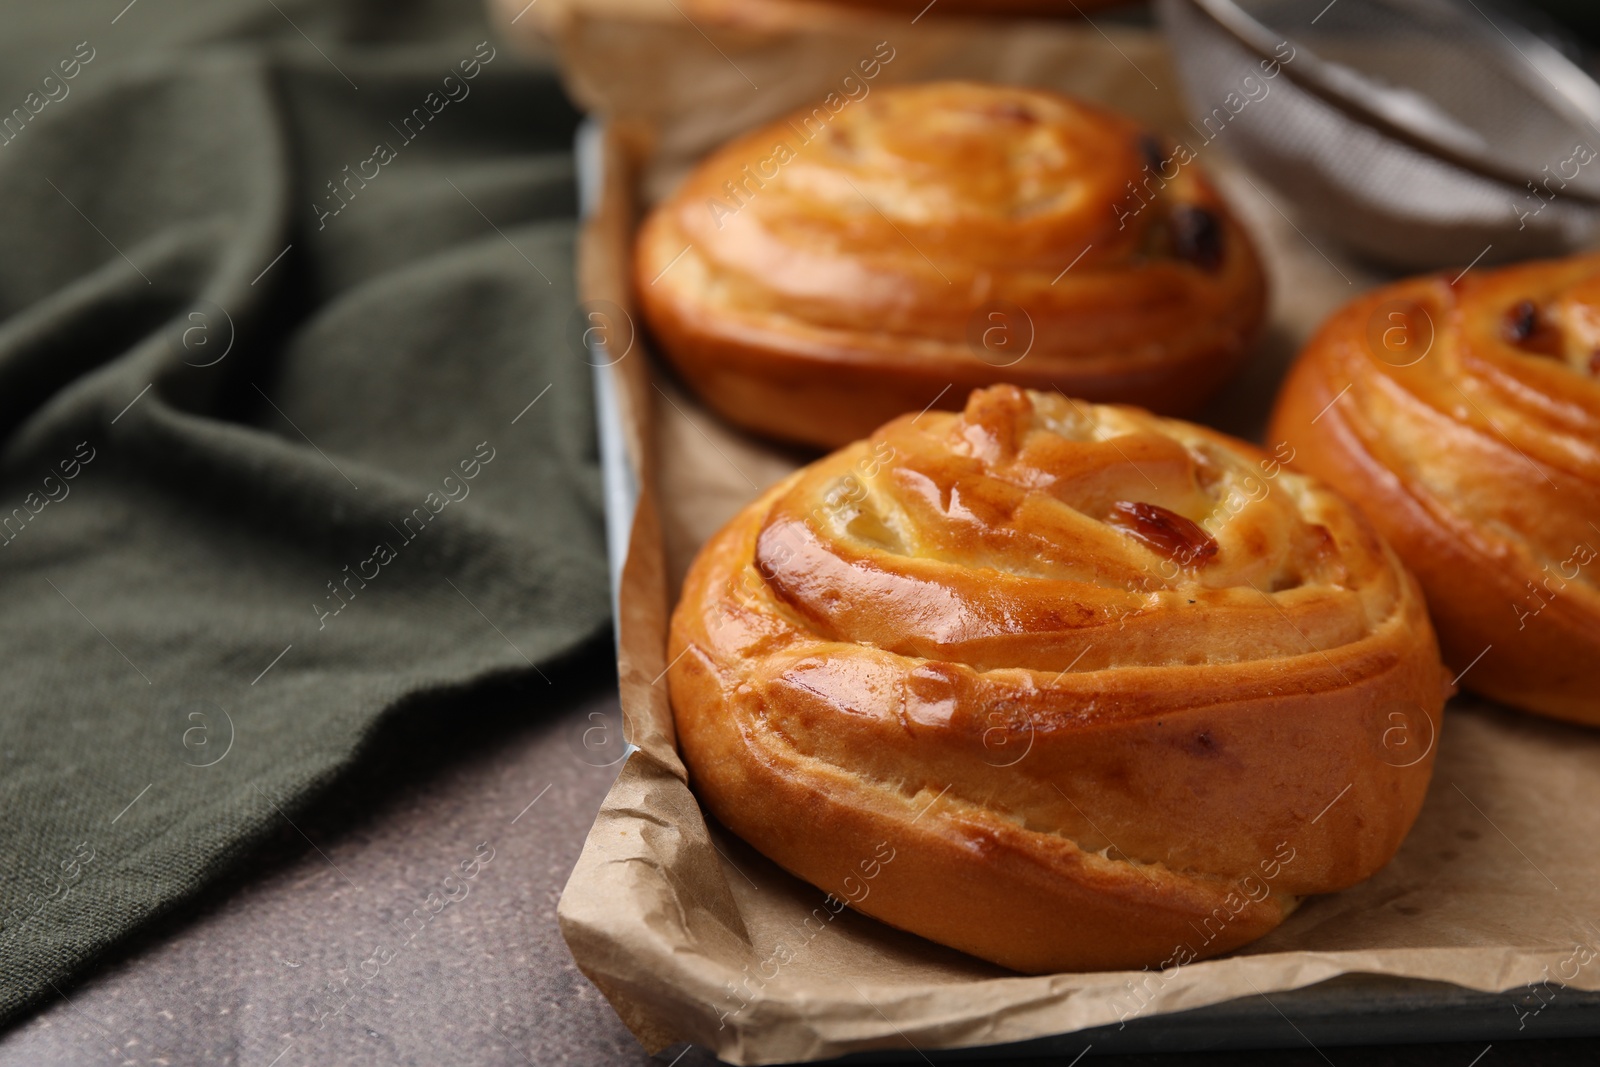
(1075,686)
(832,270)
(1464,414)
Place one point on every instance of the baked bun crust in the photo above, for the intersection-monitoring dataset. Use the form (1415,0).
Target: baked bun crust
(821,275)
(757,11)
(1467,423)
(1065,687)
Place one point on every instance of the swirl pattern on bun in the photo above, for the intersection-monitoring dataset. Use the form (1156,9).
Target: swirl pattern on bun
(1114,690)
(1465,415)
(819,276)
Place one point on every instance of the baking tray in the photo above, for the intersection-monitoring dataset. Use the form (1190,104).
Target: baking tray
(1352,1009)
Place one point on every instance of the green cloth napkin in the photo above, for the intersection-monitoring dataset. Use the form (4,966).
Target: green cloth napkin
(291,436)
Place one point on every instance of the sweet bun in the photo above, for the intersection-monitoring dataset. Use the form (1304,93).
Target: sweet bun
(821,275)
(1464,414)
(1063,686)
(757,10)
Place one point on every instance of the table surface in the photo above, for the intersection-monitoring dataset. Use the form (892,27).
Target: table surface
(244,976)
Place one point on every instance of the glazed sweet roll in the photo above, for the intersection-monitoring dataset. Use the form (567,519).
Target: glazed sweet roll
(823,274)
(1114,690)
(1464,414)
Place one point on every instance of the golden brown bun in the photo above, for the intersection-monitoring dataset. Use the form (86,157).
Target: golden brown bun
(762,11)
(1104,689)
(861,267)
(1467,423)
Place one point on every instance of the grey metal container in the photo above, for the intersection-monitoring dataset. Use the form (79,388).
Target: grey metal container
(1419,133)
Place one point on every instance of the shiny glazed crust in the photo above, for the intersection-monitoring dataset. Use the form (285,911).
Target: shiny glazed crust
(754,9)
(817,277)
(1467,423)
(1064,686)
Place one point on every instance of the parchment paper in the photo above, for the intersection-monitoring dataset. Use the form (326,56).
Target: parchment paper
(694,936)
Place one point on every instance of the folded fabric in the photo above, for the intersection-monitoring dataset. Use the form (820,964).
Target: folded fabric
(291,436)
